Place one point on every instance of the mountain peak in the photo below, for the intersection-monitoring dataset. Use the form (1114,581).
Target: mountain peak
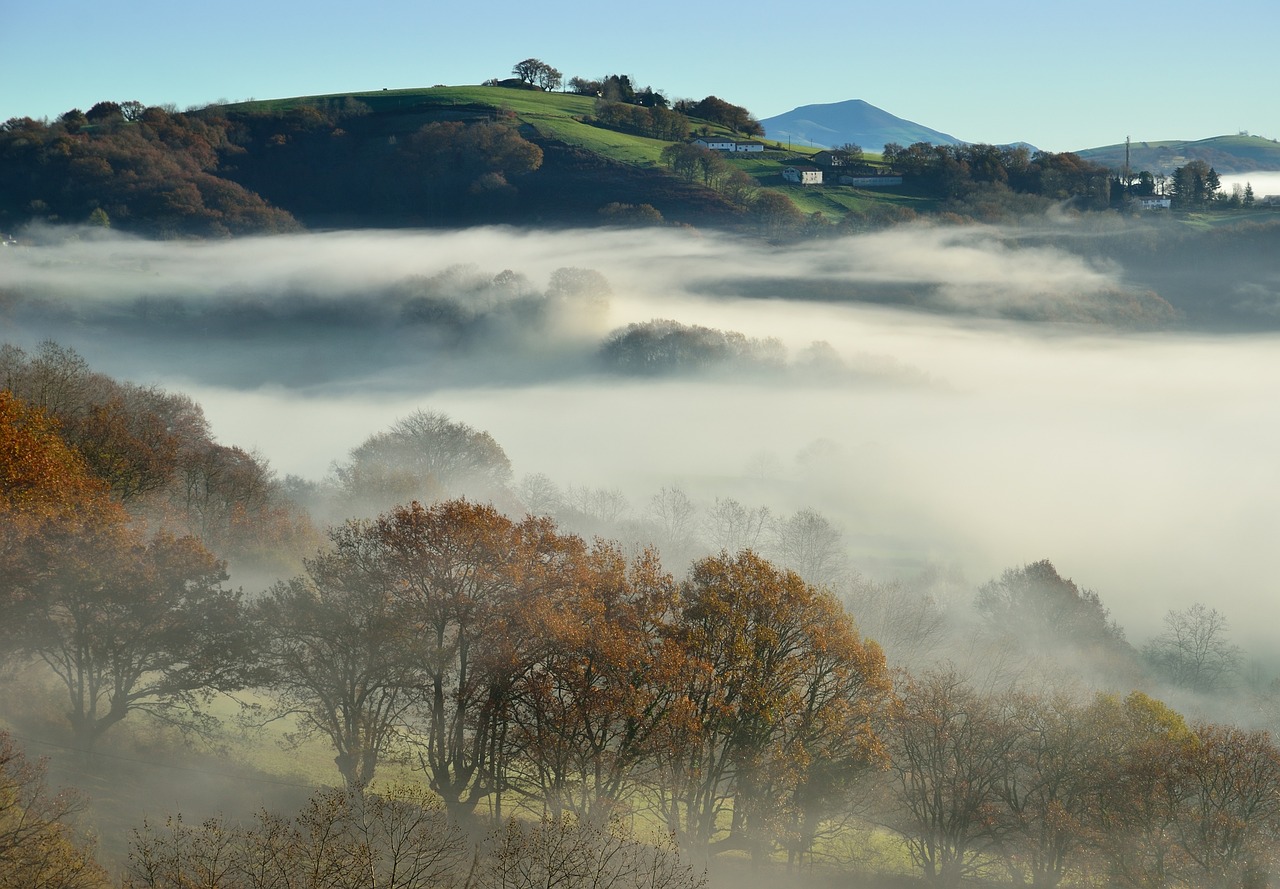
(853,120)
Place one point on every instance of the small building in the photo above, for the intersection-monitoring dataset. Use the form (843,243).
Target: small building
(716,143)
(802,175)
(1154,202)
(724,143)
(828,158)
(871,181)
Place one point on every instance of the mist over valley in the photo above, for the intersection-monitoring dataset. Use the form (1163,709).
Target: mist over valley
(972,397)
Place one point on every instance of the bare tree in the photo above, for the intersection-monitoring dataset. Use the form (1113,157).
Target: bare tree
(1194,650)
(809,544)
(948,749)
(674,513)
(733,527)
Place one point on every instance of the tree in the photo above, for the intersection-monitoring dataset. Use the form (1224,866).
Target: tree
(1037,608)
(132,625)
(733,527)
(773,668)
(1141,791)
(1194,651)
(467,579)
(530,70)
(850,152)
(1232,807)
(684,158)
(948,749)
(37,848)
(426,455)
(1194,185)
(809,544)
(549,78)
(340,839)
(337,651)
(717,110)
(133,450)
(909,624)
(46,491)
(1050,786)
(582,854)
(673,513)
(775,213)
(587,708)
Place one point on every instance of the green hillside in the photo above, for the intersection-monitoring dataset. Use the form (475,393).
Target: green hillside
(1227,154)
(454,156)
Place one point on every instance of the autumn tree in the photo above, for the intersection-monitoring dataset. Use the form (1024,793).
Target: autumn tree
(37,846)
(462,570)
(133,451)
(773,668)
(586,711)
(46,491)
(337,651)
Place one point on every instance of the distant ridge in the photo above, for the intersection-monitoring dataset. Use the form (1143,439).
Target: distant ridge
(1241,153)
(854,121)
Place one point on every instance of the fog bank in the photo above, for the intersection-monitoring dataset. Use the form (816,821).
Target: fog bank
(1141,462)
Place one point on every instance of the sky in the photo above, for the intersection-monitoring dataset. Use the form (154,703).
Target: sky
(1062,77)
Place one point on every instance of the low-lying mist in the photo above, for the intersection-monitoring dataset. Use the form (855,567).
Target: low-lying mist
(945,395)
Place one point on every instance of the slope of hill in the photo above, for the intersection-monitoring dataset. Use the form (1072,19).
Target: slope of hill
(852,121)
(1226,154)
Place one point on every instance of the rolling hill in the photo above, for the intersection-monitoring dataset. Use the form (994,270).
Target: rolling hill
(854,121)
(1226,154)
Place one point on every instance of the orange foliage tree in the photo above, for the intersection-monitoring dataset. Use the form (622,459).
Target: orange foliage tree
(776,679)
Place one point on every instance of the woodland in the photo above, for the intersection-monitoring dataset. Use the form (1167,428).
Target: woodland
(517,689)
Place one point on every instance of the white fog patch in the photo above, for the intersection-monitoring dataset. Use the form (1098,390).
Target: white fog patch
(1143,465)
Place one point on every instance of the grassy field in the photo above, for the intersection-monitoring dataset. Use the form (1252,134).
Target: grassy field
(1221,218)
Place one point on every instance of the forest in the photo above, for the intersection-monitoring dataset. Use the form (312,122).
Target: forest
(521,684)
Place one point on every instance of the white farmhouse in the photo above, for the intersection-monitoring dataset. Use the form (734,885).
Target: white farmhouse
(803,175)
(716,143)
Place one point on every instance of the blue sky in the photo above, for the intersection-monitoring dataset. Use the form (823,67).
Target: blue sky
(1061,76)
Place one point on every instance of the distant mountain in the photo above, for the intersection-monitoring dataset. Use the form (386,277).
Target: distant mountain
(1226,154)
(854,121)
